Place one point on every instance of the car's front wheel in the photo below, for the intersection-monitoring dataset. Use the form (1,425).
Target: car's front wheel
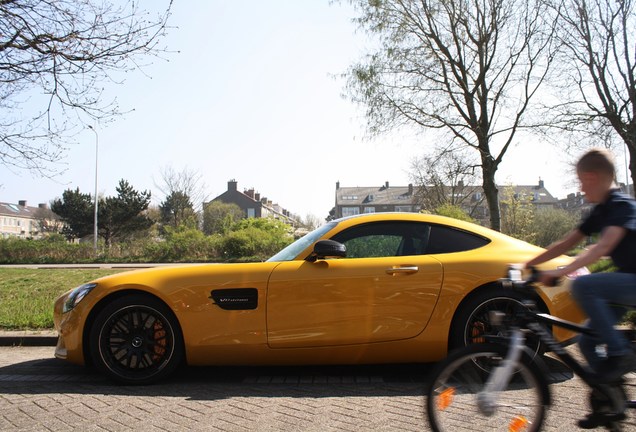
(136,340)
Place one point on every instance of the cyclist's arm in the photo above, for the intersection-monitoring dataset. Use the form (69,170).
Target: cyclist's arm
(610,238)
(558,248)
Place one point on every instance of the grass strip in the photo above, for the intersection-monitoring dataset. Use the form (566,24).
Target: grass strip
(27,295)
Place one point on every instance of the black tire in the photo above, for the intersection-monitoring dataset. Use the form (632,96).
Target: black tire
(472,321)
(136,340)
(453,389)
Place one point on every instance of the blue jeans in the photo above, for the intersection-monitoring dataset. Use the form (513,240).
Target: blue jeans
(593,293)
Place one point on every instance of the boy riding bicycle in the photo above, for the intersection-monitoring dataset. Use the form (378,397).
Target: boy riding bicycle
(614,219)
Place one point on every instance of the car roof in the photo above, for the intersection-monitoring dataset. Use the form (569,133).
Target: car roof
(428,218)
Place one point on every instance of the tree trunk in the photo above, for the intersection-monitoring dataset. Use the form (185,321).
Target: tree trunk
(489,169)
(630,141)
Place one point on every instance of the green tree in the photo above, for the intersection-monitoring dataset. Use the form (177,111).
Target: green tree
(552,224)
(517,215)
(220,217)
(177,210)
(123,215)
(184,193)
(76,210)
(467,67)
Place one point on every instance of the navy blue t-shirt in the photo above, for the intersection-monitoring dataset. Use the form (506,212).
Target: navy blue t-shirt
(618,210)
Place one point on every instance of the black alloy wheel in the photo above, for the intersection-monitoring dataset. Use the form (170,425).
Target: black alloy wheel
(472,323)
(136,340)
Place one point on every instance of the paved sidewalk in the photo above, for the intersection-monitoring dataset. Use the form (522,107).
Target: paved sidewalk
(38,392)
(28,338)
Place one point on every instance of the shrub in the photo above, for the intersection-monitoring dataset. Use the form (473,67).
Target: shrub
(454,212)
(255,239)
(183,245)
(52,249)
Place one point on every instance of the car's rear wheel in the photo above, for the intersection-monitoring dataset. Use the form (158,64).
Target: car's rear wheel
(472,322)
(136,340)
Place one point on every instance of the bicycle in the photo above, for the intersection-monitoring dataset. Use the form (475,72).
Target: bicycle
(501,384)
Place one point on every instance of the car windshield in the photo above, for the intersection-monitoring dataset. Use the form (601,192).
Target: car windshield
(292,251)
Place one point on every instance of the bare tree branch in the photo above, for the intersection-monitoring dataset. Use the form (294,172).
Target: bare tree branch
(468,67)
(59,54)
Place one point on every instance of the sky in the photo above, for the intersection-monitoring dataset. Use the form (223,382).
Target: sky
(253,92)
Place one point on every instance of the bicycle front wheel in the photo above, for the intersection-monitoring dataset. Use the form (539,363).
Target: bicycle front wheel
(456,393)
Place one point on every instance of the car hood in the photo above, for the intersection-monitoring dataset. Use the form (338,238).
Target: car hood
(169,280)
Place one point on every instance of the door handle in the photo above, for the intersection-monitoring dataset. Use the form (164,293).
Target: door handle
(403,270)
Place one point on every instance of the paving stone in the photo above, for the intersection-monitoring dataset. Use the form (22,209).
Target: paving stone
(40,393)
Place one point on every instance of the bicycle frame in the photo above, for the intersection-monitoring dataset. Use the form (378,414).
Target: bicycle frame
(538,324)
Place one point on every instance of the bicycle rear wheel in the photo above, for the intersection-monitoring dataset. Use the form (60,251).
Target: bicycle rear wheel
(454,387)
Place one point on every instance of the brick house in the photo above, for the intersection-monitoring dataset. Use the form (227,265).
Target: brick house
(253,205)
(350,201)
(373,199)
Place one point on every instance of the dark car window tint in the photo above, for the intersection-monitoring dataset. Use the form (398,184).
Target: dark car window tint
(444,239)
(384,239)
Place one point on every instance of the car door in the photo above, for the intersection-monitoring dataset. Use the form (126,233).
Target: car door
(384,290)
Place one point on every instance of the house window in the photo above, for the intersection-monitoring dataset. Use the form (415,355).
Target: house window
(251,212)
(369,210)
(350,211)
(403,208)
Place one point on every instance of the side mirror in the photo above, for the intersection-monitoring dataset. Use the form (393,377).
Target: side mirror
(327,249)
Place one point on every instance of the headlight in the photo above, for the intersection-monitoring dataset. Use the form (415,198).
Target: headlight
(76,296)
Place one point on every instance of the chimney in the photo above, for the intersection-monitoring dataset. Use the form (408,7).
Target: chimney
(43,206)
(231,185)
(337,185)
(541,184)
(410,188)
(249,193)
(22,203)
(386,185)
(257,196)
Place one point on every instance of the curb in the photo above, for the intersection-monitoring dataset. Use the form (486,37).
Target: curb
(28,338)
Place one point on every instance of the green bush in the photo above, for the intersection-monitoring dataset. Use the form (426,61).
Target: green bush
(253,242)
(249,240)
(454,212)
(52,249)
(183,245)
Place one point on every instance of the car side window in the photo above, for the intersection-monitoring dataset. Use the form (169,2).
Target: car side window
(445,239)
(382,239)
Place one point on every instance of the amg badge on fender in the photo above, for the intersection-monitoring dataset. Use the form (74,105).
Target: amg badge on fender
(235,298)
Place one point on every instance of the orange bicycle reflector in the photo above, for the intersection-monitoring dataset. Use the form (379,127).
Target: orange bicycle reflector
(445,398)
(518,424)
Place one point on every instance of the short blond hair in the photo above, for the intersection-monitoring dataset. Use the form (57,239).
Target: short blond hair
(597,160)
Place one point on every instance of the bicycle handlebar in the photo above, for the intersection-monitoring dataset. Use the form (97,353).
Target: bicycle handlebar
(515,278)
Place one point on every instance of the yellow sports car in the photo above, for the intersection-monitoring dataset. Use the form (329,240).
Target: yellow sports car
(375,288)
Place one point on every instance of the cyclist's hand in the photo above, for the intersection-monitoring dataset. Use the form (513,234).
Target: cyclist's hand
(549,278)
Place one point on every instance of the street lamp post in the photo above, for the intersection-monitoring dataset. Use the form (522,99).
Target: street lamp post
(96,201)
